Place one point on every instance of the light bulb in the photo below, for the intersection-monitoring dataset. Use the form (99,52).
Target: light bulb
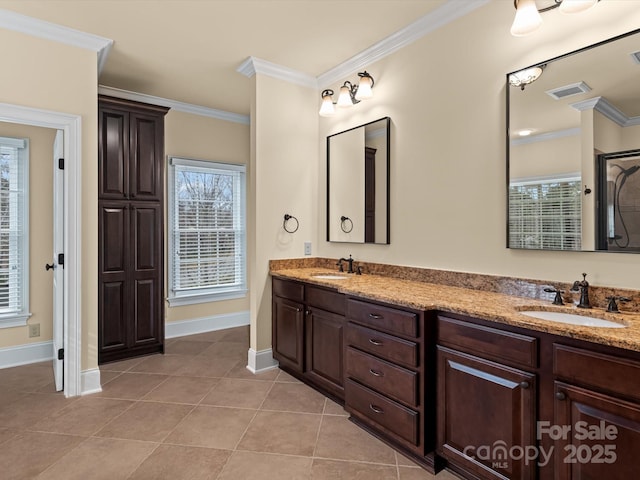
(527,18)
(364,88)
(327,109)
(344,100)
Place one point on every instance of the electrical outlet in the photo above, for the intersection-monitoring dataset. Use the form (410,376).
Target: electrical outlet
(307,248)
(34,330)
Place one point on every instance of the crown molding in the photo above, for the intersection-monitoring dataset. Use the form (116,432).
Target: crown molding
(175,105)
(450,11)
(58,33)
(607,109)
(545,137)
(253,65)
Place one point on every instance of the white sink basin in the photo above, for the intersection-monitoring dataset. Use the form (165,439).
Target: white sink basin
(329,276)
(573,319)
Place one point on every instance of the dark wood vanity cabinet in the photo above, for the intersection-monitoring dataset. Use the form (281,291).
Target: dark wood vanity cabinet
(130,229)
(385,389)
(501,386)
(307,334)
(486,401)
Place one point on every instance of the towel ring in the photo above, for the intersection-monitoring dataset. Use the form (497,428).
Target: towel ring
(288,217)
(344,225)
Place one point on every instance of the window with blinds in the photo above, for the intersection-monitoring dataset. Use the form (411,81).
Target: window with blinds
(207,239)
(546,214)
(14,235)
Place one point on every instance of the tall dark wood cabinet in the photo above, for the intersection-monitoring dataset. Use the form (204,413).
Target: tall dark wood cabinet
(130,229)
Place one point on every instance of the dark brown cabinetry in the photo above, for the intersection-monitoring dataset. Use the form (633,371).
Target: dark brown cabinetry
(385,384)
(130,229)
(307,334)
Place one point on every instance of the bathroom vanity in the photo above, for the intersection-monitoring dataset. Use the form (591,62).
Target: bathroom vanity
(460,378)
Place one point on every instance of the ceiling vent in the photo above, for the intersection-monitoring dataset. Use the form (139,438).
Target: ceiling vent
(568,90)
(636,57)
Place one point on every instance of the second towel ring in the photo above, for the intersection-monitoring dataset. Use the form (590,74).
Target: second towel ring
(288,217)
(346,227)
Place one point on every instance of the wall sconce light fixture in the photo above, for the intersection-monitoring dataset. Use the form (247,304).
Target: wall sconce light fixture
(528,17)
(526,76)
(350,94)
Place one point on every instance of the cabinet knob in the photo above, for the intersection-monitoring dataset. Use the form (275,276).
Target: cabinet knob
(376,408)
(375,374)
(524,385)
(561,396)
(377,343)
(375,316)
(307,312)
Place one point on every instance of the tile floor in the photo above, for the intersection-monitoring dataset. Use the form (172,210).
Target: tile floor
(193,413)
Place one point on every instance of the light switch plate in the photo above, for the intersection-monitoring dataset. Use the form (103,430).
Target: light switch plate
(307,248)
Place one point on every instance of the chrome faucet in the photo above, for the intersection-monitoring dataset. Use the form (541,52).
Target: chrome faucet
(583,287)
(349,268)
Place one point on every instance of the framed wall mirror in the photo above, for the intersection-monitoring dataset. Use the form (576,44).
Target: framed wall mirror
(573,150)
(358,184)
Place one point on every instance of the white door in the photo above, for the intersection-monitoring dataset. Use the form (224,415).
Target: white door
(58,272)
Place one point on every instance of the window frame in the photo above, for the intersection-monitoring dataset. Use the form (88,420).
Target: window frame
(19,316)
(204,294)
(540,181)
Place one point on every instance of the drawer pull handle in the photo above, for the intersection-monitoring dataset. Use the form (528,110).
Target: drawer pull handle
(375,374)
(375,408)
(377,343)
(561,396)
(375,316)
(524,385)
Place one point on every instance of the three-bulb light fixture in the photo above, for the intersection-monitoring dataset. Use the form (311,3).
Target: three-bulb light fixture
(528,17)
(349,95)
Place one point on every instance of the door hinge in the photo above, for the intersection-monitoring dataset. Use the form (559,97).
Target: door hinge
(61,163)
(61,354)
(61,259)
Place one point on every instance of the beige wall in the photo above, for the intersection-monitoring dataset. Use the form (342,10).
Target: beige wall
(545,158)
(283,170)
(57,77)
(203,138)
(445,95)
(40,233)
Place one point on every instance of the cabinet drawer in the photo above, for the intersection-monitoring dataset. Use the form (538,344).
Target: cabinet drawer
(388,319)
(394,381)
(328,300)
(382,345)
(618,375)
(392,416)
(488,342)
(287,289)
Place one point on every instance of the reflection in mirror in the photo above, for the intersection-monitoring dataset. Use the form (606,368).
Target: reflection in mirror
(564,129)
(358,184)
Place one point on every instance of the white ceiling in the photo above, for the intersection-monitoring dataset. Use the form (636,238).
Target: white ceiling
(189,50)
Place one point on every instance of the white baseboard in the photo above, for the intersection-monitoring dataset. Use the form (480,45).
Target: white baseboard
(205,324)
(90,381)
(258,362)
(26,354)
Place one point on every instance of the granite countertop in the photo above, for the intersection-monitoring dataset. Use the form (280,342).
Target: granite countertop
(497,307)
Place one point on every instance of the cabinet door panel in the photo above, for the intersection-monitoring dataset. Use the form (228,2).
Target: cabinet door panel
(146,157)
(324,341)
(288,333)
(502,413)
(146,221)
(113,154)
(145,311)
(113,310)
(577,456)
(113,238)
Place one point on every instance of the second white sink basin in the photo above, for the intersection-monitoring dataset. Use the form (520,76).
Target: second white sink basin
(573,319)
(329,276)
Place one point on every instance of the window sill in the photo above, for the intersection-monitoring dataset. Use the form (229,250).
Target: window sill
(178,301)
(14,320)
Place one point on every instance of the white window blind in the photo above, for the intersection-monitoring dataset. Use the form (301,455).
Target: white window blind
(207,221)
(14,239)
(546,214)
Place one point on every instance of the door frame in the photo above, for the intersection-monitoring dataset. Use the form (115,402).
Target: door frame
(71,125)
